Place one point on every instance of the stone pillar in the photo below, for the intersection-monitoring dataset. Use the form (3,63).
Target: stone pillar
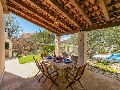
(58,45)
(2,40)
(82,48)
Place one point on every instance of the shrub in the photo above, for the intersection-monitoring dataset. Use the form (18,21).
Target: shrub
(106,68)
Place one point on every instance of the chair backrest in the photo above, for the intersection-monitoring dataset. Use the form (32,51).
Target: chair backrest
(75,58)
(43,55)
(80,70)
(39,65)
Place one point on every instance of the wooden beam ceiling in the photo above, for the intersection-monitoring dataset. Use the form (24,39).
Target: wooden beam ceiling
(71,14)
(41,6)
(5,8)
(108,24)
(78,7)
(33,21)
(32,17)
(70,32)
(65,12)
(104,9)
(49,21)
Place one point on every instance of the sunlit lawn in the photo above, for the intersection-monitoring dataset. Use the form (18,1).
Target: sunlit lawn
(28,59)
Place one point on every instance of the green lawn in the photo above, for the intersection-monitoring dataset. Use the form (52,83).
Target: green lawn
(28,59)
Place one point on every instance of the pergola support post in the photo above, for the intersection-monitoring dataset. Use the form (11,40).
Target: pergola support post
(58,45)
(2,42)
(82,48)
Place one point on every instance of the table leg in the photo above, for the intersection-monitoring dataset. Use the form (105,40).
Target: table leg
(63,76)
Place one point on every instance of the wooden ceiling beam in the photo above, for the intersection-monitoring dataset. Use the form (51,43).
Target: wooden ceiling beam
(5,8)
(104,9)
(79,8)
(32,17)
(108,24)
(41,6)
(70,32)
(65,12)
(38,14)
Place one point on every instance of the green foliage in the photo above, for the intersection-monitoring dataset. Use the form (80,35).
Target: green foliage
(105,62)
(43,37)
(74,39)
(28,59)
(106,37)
(100,39)
(12,26)
(102,51)
(47,48)
(106,68)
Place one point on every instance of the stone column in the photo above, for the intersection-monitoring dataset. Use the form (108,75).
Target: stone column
(58,45)
(82,48)
(2,40)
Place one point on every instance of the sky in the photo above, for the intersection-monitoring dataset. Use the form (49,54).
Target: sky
(32,28)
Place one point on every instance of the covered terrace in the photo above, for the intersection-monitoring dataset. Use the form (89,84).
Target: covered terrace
(62,17)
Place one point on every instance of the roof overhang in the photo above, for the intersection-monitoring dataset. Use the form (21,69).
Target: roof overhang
(72,15)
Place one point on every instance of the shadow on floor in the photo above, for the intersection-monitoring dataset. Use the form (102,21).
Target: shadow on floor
(90,81)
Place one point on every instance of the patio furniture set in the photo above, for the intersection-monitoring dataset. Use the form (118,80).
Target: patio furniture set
(61,72)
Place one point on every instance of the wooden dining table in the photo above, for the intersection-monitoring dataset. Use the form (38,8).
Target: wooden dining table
(62,66)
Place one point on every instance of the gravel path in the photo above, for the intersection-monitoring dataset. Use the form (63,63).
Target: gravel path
(26,70)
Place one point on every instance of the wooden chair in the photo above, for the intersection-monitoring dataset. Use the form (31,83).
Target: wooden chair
(40,68)
(50,74)
(74,75)
(47,71)
(75,58)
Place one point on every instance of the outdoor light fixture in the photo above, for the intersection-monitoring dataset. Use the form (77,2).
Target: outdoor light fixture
(82,29)
(56,23)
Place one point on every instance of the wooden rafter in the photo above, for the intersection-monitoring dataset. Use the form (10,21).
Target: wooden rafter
(104,10)
(108,24)
(41,6)
(65,12)
(5,8)
(38,15)
(13,9)
(78,7)
(70,32)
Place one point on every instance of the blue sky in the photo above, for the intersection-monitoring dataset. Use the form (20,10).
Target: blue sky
(31,28)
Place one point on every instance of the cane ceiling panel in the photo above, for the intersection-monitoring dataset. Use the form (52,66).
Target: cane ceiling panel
(71,15)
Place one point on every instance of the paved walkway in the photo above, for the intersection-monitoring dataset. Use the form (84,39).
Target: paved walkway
(22,77)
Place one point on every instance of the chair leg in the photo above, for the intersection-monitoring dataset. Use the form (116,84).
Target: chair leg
(53,83)
(81,84)
(45,80)
(37,74)
(40,78)
(51,86)
(70,85)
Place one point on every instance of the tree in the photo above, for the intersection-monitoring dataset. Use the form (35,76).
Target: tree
(98,40)
(12,26)
(43,37)
(74,40)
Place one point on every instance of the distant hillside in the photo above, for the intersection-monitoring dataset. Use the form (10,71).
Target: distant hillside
(26,36)
(68,41)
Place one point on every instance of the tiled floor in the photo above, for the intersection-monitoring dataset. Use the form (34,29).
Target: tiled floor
(26,80)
